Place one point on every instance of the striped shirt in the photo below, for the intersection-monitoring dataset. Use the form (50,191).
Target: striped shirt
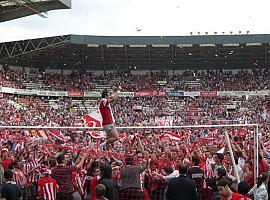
(30,170)
(20,178)
(77,182)
(63,177)
(47,188)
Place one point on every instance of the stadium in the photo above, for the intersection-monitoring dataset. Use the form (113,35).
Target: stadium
(185,108)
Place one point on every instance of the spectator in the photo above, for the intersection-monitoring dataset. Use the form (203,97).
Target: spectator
(263,165)
(6,160)
(106,180)
(47,186)
(225,191)
(218,158)
(169,173)
(243,189)
(100,191)
(182,187)
(1,172)
(95,177)
(131,181)
(260,190)
(63,176)
(197,174)
(21,180)
(10,190)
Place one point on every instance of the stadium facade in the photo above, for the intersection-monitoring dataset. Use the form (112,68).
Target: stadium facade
(139,52)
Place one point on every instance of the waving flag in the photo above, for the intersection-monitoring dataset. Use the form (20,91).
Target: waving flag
(174,137)
(55,133)
(37,134)
(94,119)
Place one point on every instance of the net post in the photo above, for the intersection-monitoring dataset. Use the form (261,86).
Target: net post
(256,153)
(232,157)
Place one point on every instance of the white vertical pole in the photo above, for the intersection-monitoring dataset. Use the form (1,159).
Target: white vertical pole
(256,153)
(232,156)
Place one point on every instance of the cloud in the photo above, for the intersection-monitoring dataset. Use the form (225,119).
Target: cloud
(12,33)
(154,17)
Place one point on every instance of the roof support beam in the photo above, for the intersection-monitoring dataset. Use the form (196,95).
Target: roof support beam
(17,49)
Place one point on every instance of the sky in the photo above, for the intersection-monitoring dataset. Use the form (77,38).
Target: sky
(151,17)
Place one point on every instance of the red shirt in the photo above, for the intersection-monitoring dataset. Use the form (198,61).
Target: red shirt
(77,182)
(93,184)
(106,112)
(235,196)
(6,162)
(47,188)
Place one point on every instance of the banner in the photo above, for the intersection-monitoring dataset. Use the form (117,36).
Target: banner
(240,93)
(167,92)
(226,93)
(143,94)
(208,93)
(191,94)
(162,83)
(175,94)
(75,94)
(161,122)
(33,92)
(92,94)
(258,93)
(52,93)
(126,94)
(137,108)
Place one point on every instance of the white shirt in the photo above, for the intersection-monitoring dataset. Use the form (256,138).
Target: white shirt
(174,174)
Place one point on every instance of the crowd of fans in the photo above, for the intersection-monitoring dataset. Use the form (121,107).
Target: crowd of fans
(142,165)
(211,80)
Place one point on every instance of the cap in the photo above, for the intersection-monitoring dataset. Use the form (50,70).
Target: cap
(4,150)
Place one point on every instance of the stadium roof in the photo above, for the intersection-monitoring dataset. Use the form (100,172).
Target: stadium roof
(139,52)
(13,9)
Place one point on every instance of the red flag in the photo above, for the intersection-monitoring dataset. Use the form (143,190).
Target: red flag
(172,136)
(94,119)
(57,134)
(37,134)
